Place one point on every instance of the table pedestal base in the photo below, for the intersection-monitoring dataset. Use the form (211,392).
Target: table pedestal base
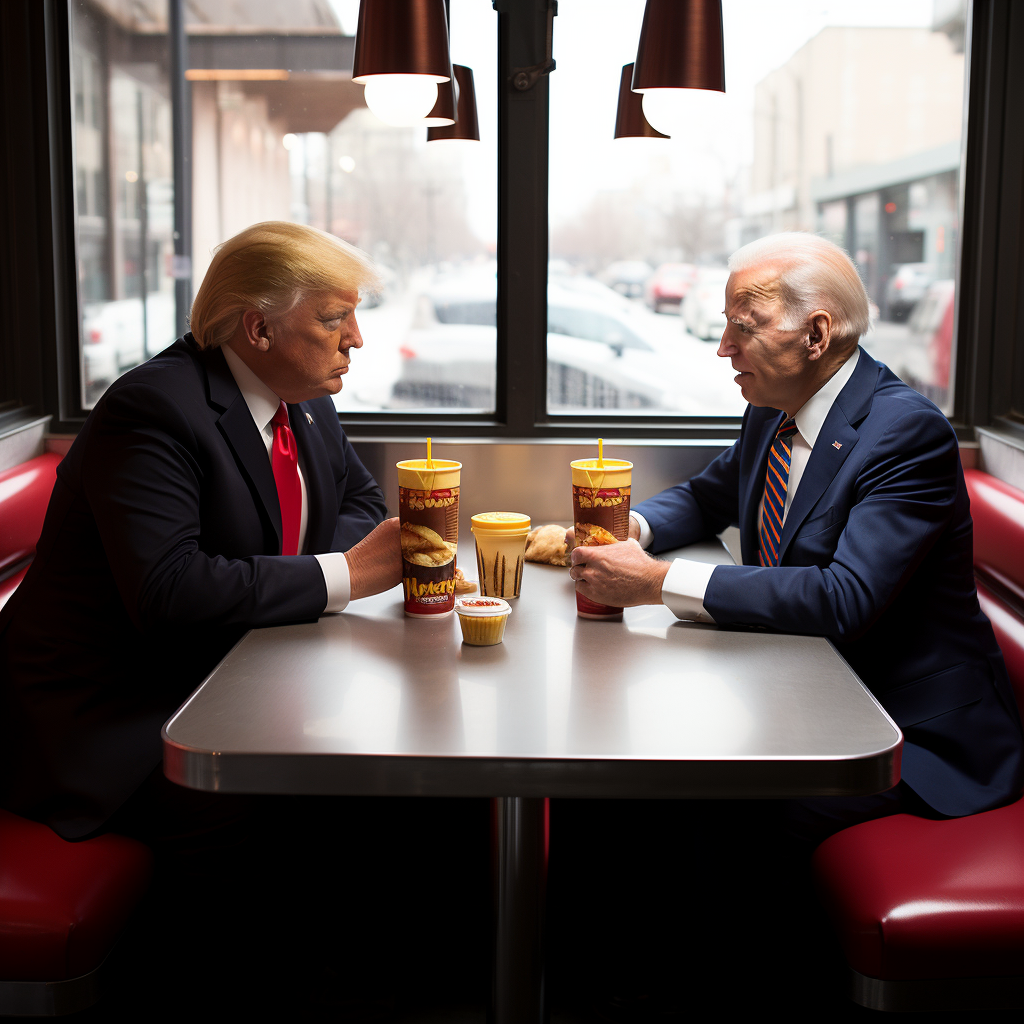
(522,871)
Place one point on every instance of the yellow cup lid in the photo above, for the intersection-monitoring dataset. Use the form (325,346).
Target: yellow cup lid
(436,475)
(501,522)
(605,464)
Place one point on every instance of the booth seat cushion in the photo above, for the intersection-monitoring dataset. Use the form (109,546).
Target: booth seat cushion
(998,513)
(24,494)
(63,904)
(913,898)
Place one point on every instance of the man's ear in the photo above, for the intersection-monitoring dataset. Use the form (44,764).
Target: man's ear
(257,332)
(819,333)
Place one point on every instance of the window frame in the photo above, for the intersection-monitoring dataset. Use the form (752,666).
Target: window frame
(39,352)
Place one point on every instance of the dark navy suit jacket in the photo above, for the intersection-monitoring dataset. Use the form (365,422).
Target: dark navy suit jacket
(159,549)
(876,555)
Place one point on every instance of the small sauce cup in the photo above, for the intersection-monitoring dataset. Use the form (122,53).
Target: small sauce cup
(482,619)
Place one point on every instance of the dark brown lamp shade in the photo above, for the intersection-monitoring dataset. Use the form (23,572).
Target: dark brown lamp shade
(466,126)
(401,37)
(681,46)
(630,122)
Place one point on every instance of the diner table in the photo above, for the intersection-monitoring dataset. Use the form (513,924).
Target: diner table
(371,702)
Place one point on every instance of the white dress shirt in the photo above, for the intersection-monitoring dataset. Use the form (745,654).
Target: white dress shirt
(263,404)
(686,581)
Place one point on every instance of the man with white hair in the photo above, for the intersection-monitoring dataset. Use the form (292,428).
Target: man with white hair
(855,525)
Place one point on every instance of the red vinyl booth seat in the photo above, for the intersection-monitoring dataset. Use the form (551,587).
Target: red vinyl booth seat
(929,899)
(930,914)
(63,904)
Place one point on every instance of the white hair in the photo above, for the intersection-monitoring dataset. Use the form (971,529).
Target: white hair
(810,273)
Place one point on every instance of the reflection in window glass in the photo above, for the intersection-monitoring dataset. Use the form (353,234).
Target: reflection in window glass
(279,132)
(843,118)
(124,192)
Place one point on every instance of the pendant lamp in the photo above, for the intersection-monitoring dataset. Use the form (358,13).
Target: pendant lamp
(400,57)
(630,122)
(680,60)
(466,125)
(445,110)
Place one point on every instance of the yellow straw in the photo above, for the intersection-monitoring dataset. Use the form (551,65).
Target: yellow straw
(600,453)
(430,462)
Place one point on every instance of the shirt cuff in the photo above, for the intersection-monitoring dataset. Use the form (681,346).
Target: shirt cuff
(685,585)
(334,566)
(646,533)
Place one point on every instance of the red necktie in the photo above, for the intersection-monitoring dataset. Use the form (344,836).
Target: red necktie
(285,460)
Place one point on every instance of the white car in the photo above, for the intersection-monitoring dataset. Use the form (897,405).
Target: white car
(597,358)
(119,324)
(702,309)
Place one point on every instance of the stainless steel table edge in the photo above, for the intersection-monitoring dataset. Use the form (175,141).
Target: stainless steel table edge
(625,777)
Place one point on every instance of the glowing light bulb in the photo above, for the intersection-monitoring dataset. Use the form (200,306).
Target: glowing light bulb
(400,100)
(673,111)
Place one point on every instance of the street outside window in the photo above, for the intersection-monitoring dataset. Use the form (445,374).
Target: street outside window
(841,117)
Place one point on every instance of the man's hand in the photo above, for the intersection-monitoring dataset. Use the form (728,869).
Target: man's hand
(621,575)
(375,563)
(634,533)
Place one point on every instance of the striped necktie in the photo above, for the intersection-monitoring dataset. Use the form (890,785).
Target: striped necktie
(775,485)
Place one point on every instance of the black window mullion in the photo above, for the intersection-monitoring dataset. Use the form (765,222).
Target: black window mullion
(522,219)
(38,279)
(991,256)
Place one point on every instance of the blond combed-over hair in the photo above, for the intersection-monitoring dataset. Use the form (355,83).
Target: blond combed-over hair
(810,273)
(271,267)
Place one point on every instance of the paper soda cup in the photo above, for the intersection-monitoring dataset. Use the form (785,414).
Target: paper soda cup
(600,515)
(428,511)
(500,551)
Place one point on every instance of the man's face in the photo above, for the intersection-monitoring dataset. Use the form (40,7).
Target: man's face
(309,353)
(772,364)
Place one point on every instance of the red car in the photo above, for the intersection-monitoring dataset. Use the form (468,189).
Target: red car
(668,285)
(931,334)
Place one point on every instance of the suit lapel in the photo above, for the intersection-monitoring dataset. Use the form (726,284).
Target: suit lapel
(836,439)
(321,495)
(236,424)
(755,490)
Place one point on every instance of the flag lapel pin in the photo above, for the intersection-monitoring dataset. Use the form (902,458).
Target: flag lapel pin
(835,444)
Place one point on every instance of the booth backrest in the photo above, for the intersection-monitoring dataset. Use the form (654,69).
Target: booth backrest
(998,513)
(24,494)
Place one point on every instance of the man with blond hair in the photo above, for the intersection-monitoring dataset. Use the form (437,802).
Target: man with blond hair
(211,490)
(855,525)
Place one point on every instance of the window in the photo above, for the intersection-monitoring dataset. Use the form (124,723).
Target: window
(47,182)
(278,131)
(841,118)
(124,195)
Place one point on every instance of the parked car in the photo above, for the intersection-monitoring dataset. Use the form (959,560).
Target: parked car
(667,286)
(119,324)
(596,356)
(627,277)
(99,366)
(906,288)
(929,350)
(704,305)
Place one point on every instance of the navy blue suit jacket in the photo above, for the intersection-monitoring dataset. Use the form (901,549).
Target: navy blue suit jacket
(159,549)
(876,555)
